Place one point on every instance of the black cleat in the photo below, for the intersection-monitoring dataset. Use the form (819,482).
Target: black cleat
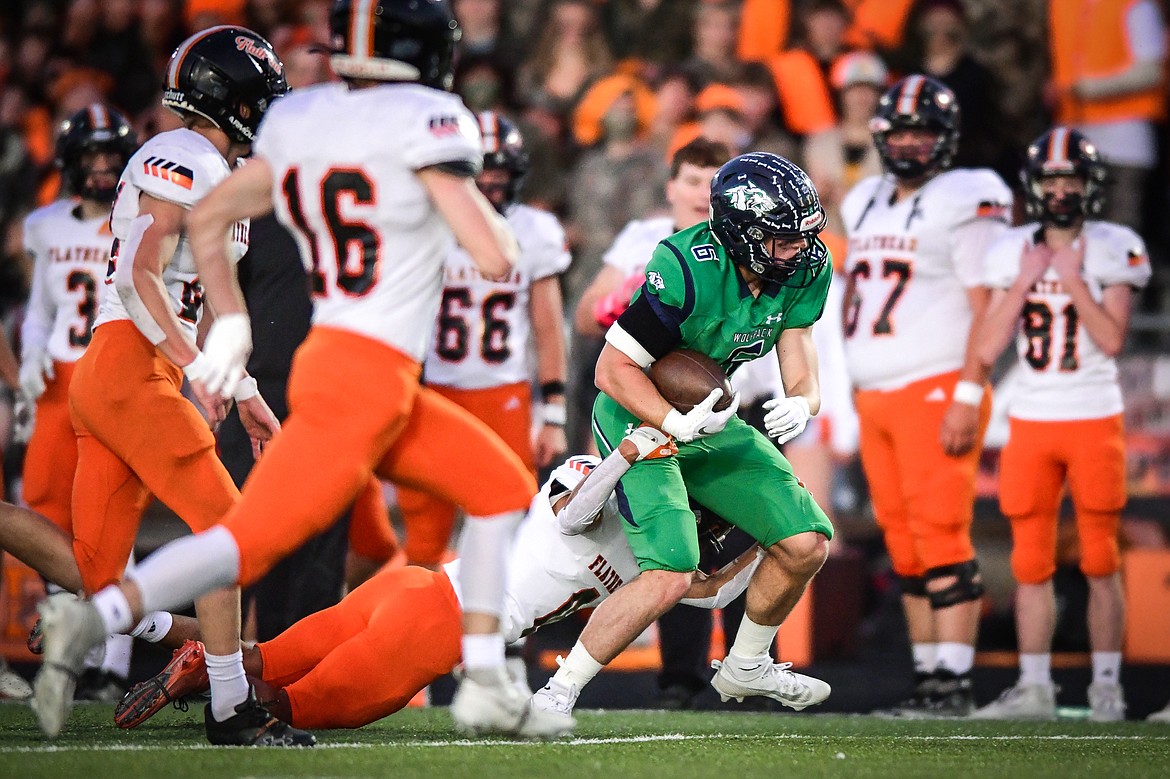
(253,726)
(953,696)
(918,704)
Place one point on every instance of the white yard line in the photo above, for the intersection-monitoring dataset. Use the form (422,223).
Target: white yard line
(54,748)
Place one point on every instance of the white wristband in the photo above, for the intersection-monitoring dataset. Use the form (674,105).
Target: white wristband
(246,389)
(968,392)
(553,414)
(197,368)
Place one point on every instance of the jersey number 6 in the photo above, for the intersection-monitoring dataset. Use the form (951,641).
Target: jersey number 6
(901,270)
(355,245)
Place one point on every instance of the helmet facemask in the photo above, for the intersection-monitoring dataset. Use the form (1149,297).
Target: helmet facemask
(1063,152)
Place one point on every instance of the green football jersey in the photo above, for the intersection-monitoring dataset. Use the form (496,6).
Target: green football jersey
(696,288)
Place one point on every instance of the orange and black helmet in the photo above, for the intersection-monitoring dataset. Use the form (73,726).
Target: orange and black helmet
(395,40)
(229,75)
(1063,151)
(97,127)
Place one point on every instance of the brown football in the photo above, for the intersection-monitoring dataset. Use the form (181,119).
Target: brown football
(684,377)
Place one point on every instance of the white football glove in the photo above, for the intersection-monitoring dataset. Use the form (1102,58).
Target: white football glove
(700,421)
(34,371)
(786,418)
(226,349)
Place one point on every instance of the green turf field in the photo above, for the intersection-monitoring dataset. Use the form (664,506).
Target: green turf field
(613,745)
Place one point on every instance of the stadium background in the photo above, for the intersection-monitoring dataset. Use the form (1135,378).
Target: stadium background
(672,68)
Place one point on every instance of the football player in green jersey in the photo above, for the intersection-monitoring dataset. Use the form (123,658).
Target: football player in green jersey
(752,279)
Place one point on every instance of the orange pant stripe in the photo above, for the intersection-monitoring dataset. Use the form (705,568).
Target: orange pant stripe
(922,498)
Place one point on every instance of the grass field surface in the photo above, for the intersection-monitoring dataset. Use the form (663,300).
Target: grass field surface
(613,745)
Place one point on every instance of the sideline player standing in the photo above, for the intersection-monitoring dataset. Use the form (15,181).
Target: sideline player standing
(479,355)
(753,278)
(136,434)
(368,174)
(916,243)
(68,243)
(1065,284)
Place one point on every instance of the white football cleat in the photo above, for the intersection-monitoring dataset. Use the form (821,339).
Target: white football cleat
(552,706)
(1160,716)
(1106,703)
(738,678)
(1032,702)
(12,685)
(71,628)
(488,702)
(518,672)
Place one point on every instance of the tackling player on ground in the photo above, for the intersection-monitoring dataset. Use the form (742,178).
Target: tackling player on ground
(753,277)
(137,435)
(372,175)
(917,237)
(68,243)
(1065,285)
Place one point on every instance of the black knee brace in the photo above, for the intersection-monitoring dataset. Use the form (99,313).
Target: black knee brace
(913,585)
(966,587)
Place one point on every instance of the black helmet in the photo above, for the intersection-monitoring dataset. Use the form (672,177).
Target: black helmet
(229,75)
(503,149)
(94,128)
(395,40)
(1063,151)
(917,102)
(759,196)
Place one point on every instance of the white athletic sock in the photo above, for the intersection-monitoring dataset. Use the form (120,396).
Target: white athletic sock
(117,659)
(186,569)
(753,639)
(111,603)
(483,562)
(1036,668)
(154,627)
(954,657)
(925,657)
(229,684)
(483,650)
(1106,667)
(578,668)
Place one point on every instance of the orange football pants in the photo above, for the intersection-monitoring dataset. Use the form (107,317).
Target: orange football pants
(923,500)
(429,519)
(136,436)
(366,657)
(356,408)
(51,458)
(1037,460)
(370,534)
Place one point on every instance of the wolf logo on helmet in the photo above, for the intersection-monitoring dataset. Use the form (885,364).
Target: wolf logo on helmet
(758,197)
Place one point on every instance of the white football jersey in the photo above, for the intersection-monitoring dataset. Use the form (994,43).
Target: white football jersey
(70,256)
(634,245)
(179,166)
(552,575)
(482,335)
(911,263)
(344,165)
(1063,374)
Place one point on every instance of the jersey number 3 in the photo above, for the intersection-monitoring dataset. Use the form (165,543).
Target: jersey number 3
(355,245)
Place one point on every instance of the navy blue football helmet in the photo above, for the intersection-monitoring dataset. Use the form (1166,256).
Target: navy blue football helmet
(395,40)
(503,149)
(758,197)
(96,127)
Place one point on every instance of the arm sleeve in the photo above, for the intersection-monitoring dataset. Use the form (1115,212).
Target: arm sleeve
(731,589)
(655,316)
(38,318)
(592,495)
